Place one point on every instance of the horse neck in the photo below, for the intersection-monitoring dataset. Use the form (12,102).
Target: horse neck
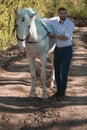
(37,30)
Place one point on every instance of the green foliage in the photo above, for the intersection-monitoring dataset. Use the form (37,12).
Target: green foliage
(46,8)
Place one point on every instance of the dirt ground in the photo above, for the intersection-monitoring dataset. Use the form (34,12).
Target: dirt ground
(17,113)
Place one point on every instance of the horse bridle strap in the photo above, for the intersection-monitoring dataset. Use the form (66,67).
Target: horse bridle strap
(21,39)
(32,42)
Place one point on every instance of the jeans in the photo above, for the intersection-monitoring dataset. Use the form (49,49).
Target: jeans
(62,59)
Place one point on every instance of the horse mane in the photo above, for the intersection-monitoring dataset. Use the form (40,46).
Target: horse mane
(37,30)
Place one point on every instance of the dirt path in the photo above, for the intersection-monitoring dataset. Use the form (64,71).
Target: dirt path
(16,113)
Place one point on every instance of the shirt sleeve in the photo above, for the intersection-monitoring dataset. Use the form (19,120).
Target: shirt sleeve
(69,30)
(48,24)
(48,21)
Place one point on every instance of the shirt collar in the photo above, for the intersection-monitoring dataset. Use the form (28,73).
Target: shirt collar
(64,21)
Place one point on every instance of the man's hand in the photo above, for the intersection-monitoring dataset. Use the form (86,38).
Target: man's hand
(51,35)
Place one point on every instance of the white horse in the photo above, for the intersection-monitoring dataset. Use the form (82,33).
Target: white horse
(32,33)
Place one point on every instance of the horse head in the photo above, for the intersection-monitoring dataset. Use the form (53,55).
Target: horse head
(23,20)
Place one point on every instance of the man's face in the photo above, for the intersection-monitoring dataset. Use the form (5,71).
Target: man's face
(62,14)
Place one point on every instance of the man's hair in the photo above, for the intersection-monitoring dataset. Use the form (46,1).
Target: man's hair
(62,8)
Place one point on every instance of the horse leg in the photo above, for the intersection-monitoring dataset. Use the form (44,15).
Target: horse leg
(43,76)
(33,77)
(52,85)
(50,55)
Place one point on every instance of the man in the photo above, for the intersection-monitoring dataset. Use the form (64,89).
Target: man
(63,30)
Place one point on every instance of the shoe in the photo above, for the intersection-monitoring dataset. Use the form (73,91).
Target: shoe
(61,97)
(55,95)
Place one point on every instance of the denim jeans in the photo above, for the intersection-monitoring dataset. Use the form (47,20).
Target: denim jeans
(62,59)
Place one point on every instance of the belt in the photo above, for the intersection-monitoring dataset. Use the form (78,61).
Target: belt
(60,48)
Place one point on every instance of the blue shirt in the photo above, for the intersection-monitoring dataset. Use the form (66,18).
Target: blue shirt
(65,29)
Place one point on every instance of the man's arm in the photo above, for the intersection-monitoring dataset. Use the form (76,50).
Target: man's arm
(60,37)
(67,35)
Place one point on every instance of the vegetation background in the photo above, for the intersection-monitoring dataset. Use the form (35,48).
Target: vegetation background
(46,8)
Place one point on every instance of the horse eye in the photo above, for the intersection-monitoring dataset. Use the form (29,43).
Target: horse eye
(29,26)
(23,19)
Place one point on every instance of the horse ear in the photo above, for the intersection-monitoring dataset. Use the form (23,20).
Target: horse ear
(33,14)
(16,12)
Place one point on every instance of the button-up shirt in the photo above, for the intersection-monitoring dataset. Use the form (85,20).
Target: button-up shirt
(65,29)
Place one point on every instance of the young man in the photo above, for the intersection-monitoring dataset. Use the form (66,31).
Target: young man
(63,30)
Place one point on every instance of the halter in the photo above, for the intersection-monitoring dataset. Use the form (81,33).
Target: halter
(19,39)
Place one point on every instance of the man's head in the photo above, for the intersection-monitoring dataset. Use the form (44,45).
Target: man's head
(62,12)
